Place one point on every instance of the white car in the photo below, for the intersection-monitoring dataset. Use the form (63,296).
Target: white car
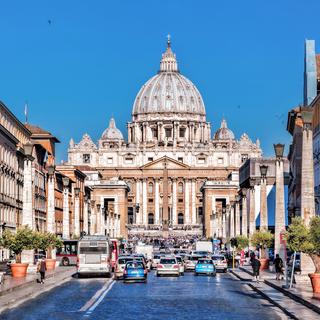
(168,266)
(181,265)
(220,262)
(120,264)
(191,262)
(155,260)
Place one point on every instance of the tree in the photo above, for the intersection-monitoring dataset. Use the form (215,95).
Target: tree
(242,242)
(23,239)
(263,240)
(306,239)
(47,242)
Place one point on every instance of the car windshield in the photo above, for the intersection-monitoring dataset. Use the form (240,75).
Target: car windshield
(124,260)
(202,261)
(168,261)
(156,257)
(218,257)
(194,258)
(179,259)
(134,265)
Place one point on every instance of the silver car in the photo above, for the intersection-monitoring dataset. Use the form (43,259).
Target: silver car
(168,266)
(181,265)
(191,262)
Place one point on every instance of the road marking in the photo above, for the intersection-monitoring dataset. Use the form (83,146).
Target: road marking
(93,299)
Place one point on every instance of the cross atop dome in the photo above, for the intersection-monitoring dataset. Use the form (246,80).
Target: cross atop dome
(168,62)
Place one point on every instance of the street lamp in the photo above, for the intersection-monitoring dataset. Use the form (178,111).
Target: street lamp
(28,147)
(307,116)
(279,149)
(263,171)
(50,170)
(76,192)
(65,181)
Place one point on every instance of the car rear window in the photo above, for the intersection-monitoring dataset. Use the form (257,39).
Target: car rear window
(194,258)
(124,260)
(202,261)
(168,261)
(156,257)
(218,258)
(134,264)
(179,259)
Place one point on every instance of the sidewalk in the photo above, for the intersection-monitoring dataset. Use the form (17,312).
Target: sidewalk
(15,291)
(299,292)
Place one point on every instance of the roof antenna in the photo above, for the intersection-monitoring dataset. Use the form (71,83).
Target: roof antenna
(26,111)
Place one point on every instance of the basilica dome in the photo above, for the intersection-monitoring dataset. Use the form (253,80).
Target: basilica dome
(224,133)
(169,91)
(112,132)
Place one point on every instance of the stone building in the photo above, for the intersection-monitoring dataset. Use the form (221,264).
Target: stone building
(171,174)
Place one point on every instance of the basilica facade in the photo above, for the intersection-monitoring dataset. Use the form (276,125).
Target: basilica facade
(171,175)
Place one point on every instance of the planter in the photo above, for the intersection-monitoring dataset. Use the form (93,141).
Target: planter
(19,270)
(50,264)
(264,264)
(315,281)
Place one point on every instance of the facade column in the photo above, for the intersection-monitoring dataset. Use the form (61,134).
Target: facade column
(193,202)
(138,203)
(129,133)
(85,216)
(263,205)
(76,224)
(252,214)
(51,205)
(144,202)
(156,202)
(214,218)
(237,217)
(224,224)
(27,208)
(280,222)
(174,201)
(231,210)
(186,202)
(66,216)
(93,218)
(244,225)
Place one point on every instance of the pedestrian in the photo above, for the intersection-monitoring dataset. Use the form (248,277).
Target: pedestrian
(42,269)
(242,258)
(278,264)
(256,269)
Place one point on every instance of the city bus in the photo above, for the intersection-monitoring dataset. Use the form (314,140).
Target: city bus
(94,255)
(67,254)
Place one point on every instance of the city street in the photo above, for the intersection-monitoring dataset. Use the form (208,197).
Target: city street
(187,297)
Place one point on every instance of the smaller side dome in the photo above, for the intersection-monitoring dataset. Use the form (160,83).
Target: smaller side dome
(224,133)
(112,132)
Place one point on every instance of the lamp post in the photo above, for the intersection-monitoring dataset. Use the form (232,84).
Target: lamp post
(280,222)
(85,214)
(93,218)
(66,216)
(237,214)
(99,219)
(51,199)
(244,224)
(77,212)
(263,198)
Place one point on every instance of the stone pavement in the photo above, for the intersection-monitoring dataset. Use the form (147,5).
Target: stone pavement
(294,308)
(15,291)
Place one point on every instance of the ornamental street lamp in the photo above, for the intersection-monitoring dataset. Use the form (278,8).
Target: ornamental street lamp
(50,169)
(65,181)
(263,198)
(28,148)
(263,171)
(77,192)
(279,149)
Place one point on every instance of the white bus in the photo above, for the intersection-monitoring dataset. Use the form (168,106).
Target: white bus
(94,256)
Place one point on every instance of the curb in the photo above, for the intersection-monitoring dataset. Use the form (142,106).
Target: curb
(294,297)
(13,304)
(25,284)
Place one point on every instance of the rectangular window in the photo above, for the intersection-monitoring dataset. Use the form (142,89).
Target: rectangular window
(110,160)
(201,160)
(86,158)
(168,132)
(180,159)
(220,160)
(182,132)
(150,159)
(180,200)
(150,200)
(129,160)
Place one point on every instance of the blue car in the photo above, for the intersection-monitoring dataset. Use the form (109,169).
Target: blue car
(135,271)
(205,266)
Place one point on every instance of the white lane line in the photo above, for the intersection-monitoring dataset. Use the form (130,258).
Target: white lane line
(101,297)
(93,299)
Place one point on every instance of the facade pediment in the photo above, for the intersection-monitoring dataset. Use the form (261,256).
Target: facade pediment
(165,162)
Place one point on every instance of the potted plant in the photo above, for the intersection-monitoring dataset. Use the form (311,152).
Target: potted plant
(263,240)
(23,239)
(48,242)
(306,239)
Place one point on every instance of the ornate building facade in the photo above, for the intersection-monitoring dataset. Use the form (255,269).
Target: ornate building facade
(171,175)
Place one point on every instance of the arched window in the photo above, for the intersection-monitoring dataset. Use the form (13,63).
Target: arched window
(150,187)
(180,218)
(180,187)
(150,218)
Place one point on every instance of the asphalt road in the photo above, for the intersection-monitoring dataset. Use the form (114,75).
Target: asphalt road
(186,297)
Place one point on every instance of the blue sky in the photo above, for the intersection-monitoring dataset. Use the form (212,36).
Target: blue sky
(246,58)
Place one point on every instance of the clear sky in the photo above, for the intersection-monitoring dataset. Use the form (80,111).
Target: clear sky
(77,63)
